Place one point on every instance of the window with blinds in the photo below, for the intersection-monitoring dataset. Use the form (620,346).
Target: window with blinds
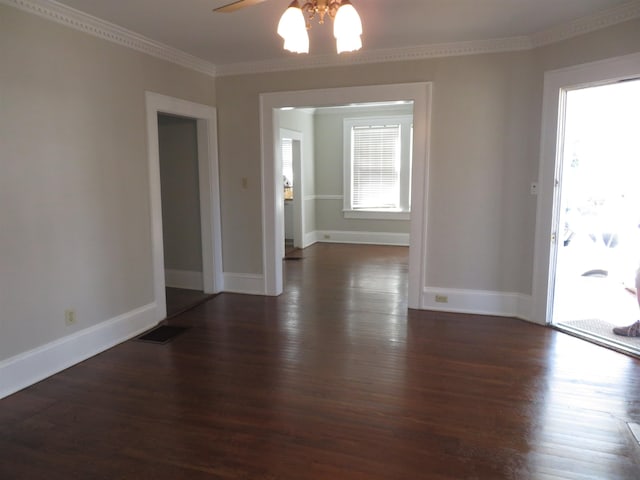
(377,166)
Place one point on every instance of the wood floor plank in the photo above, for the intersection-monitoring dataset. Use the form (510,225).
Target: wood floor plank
(334,379)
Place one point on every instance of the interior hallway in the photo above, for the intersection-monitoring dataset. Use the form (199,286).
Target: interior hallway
(334,379)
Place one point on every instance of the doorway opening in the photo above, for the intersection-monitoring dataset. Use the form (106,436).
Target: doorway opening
(357,169)
(181,226)
(549,232)
(291,147)
(272,104)
(599,216)
(208,200)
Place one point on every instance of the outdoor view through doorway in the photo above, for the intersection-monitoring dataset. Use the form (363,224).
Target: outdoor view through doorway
(599,222)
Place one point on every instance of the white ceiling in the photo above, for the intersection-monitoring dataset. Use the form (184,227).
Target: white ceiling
(248,35)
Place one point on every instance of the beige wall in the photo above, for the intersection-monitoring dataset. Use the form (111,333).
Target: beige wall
(484,156)
(181,233)
(74,190)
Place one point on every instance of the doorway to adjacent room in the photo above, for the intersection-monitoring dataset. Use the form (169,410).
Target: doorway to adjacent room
(598,235)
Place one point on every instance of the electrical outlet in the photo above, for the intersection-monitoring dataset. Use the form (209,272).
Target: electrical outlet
(69,317)
(442,299)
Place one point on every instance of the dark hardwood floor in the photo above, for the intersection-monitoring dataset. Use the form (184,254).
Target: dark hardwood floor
(180,300)
(333,380)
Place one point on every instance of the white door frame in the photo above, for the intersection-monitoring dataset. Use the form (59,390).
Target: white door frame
(556,85)
(298,185)
(205,116)
(272,191)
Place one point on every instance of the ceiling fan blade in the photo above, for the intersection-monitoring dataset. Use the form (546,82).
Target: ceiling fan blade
(237,5)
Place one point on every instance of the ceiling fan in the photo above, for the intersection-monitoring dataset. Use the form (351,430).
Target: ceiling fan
(237,5)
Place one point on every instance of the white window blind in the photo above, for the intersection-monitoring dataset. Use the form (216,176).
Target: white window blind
(375,167)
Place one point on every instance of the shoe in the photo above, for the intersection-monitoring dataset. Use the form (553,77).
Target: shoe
(632,330)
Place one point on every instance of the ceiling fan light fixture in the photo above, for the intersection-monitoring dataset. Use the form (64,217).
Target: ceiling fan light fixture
(347,28)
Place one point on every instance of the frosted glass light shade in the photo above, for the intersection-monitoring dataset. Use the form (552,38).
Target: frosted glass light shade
(291,20)
(292,28)
(347,28)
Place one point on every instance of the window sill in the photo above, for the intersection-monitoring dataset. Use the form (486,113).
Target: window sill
(377,214)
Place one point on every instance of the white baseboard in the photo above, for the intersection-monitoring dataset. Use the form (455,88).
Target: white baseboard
(35,365)
(309,239)
(183,279)
(367,238)
(524,307)
(251,284)
(504,304)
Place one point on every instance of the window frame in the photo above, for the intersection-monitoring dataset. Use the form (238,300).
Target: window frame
(406,151)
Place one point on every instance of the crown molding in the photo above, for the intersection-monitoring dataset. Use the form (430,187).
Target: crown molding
(590,23)
(379,56)
(108,31)
(78,20)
